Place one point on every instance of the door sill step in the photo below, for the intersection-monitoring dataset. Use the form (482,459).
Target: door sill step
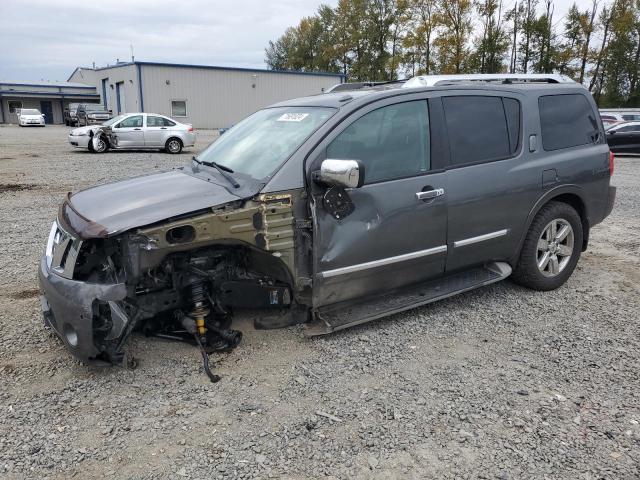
(344,315)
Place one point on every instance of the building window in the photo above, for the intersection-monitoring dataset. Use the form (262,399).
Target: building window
(178,108)
(14,105)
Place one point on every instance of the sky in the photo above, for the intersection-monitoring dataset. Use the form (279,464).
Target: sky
(48,39)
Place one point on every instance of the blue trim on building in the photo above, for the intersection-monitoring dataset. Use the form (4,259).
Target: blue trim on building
(118,105)
(18,93)
(213,67)
(104,92)
(59,87)
(139,67)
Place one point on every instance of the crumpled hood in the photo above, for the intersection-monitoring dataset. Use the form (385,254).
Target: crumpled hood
(85,130)
(116,207)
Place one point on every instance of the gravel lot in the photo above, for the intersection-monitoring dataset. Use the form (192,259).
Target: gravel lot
(501,382)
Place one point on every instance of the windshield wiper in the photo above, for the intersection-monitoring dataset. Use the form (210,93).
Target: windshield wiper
(221,169)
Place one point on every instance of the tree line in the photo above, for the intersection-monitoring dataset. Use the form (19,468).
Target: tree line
(367,40)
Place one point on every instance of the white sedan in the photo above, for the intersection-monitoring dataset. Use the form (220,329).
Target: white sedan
(134,131)
(30,117)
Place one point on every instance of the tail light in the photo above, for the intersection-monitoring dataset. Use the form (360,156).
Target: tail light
(190,128)
(612,163)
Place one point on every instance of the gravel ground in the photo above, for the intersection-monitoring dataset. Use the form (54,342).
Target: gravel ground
(501,382)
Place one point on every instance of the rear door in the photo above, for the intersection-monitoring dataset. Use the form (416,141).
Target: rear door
(129,132)
(394,236)
(491,187)
(157,131)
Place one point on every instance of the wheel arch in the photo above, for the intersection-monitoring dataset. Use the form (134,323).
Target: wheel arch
(572,195)
(173,137)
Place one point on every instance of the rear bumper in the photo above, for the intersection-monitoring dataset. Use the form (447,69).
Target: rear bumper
(70,308)
(189,139)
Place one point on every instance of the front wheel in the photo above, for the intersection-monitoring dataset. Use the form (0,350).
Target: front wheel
(101,146)
(173,145)
(551,249)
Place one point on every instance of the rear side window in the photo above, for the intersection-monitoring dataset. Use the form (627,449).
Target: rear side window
(566,121)
(481,129)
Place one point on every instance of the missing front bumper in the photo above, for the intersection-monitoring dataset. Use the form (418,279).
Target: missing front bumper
(75,311)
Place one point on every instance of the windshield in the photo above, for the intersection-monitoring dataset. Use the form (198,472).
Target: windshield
(94,108)
(29,111)
(259,144)
(115,119)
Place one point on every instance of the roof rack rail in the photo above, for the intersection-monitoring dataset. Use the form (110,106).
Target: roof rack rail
(431,80)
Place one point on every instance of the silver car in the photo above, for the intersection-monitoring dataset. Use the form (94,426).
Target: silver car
(134,131)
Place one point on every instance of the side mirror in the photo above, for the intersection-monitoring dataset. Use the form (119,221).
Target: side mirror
(611,132)
(342,173)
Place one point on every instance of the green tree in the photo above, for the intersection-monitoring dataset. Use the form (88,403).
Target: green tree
(493,42)
(454,16)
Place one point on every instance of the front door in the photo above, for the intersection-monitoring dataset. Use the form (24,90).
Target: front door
(395,235)
(46,108)
(129,132)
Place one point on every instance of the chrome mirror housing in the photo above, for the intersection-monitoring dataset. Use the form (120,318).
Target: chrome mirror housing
(342,173)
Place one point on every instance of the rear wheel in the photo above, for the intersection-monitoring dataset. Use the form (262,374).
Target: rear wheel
(173,145)
(551,249)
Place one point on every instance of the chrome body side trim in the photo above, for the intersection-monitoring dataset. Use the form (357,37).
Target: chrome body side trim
(383,261)
(480,238)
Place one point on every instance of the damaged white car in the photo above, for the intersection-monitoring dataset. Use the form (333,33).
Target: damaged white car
(134,131)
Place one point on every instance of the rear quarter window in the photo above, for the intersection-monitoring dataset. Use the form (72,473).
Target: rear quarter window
(567,121)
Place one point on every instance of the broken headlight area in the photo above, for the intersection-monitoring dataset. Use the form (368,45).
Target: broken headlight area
(185,295)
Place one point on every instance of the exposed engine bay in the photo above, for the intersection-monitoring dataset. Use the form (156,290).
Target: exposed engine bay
(184,278)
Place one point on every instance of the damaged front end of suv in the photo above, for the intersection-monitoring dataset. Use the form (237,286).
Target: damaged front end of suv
(175,254)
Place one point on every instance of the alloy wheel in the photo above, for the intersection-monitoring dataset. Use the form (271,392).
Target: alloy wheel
(555,247)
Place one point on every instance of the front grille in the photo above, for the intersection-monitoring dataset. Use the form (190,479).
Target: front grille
(64,253)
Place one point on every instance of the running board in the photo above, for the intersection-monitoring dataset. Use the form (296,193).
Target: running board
(340,316)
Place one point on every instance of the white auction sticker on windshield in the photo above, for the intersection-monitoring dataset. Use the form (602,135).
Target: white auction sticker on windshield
(292,117)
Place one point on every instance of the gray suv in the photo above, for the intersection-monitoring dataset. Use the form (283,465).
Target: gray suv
(92,114)
(334,210)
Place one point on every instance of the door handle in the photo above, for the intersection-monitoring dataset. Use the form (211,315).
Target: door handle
(137,129)
(429,194)
(163,128)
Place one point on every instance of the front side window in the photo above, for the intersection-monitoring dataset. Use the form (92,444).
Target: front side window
(131,122)
(259,144)
(392,142)
(481,128)
(178,108)
(566,121)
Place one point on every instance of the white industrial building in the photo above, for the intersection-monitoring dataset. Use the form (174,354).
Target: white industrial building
(204,96)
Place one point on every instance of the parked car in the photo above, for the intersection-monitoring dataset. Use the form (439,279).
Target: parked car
(30,117)
(134,131)
(70,114)
(92,114)
(624,137)
(334,210)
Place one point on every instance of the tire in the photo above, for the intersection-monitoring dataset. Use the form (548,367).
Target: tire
(103,146)
(547,260)
(173,145)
